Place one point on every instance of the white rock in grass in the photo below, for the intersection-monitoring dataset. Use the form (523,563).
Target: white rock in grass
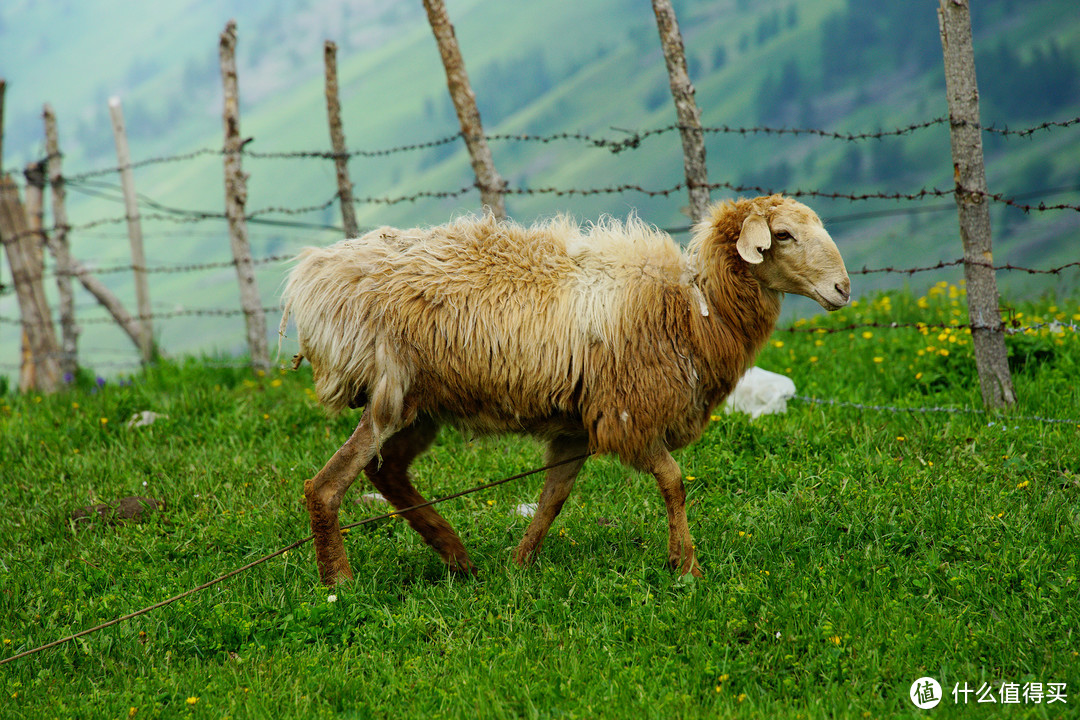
(526,509)
(760,392)
(144,418)
(371,499)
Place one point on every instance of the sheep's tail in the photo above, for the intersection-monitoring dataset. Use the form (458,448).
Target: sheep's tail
(298,357)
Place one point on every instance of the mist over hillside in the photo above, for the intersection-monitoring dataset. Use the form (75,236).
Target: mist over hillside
(540,68)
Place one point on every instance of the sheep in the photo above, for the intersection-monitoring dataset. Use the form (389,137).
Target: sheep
(606,339)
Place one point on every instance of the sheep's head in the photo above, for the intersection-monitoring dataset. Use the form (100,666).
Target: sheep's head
(788,250)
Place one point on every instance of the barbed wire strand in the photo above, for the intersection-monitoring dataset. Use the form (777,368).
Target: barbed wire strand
(632,140)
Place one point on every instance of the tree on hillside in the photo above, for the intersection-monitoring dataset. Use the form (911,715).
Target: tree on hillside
(719,57)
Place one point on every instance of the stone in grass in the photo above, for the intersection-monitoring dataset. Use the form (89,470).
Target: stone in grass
(376,504)
(760,392)
(133,508)
(372,500)
(144,418)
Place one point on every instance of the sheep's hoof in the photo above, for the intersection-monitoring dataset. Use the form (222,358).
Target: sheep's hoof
(461,565)
(524,555)
(332,577)
(689,567)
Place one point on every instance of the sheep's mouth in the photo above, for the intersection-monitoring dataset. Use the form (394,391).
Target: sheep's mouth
(831,302)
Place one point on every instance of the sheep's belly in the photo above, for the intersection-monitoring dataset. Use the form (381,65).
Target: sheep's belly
(490,424)
(515,403)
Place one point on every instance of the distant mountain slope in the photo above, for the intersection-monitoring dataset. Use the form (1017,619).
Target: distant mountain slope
(541,69)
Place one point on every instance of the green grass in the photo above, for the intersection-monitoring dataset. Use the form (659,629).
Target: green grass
(847,552)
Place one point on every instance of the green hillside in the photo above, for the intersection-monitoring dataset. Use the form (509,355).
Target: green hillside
(540,69)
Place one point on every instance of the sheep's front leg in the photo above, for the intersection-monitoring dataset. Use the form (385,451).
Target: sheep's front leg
(323,494)
(680,545)
(557,485)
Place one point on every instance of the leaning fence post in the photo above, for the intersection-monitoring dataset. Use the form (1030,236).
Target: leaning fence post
(69,331)
(235,199)
(491,184)
(337,142)
(40,341)
(34,243)
(682,92)
(972,198)
(134,225)
(42,372)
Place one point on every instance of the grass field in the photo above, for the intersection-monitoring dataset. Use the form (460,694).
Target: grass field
(846,551)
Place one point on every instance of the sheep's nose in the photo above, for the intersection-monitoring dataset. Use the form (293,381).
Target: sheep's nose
(844,289)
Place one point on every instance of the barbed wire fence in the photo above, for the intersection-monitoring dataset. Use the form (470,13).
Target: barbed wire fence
(93,182)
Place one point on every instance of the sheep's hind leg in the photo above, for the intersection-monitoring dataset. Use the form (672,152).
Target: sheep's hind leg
(323,494)
(681,553)
(391,478)
(557,486)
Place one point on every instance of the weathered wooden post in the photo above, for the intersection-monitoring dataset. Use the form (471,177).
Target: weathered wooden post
(472,130)
(686,109)
(41,340)
(987,328)
(235,200)
(3,91)
(40,370)
(61,249)
(34,243)
(337,142)
(134,225)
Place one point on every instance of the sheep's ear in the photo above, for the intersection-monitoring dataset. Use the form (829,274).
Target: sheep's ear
(754,238)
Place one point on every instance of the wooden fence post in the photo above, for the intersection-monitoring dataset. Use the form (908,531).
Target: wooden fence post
(42,372)
(987,333)
(235,199)
(134,225)
(472,130)
(686,109)
(34,244)
(337,142)
(3,91)
(33,258)
(69,331)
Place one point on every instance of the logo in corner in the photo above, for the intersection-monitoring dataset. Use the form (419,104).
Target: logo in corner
(925,693)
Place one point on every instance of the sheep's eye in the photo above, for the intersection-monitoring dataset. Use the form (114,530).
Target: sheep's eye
(783,235)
